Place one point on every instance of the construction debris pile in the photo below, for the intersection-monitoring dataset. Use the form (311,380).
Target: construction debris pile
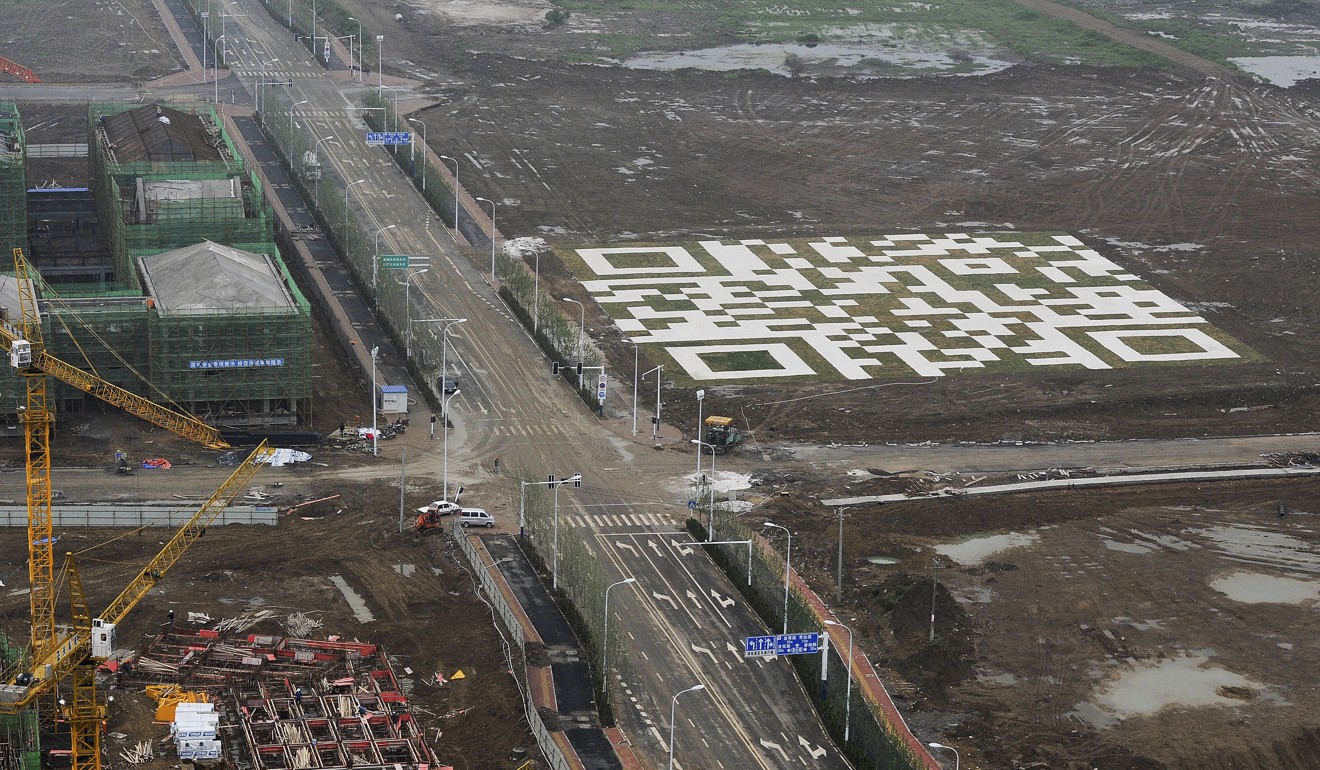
(285,703)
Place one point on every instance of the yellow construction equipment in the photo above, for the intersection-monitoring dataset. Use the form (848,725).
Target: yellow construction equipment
(169,696)
(73,652)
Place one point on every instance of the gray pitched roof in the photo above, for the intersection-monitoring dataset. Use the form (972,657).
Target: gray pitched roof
(208,277)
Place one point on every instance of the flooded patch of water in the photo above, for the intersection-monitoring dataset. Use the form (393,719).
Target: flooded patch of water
(825,59)
(1255,588)
(976,550)
(1283,71)
(1181,681)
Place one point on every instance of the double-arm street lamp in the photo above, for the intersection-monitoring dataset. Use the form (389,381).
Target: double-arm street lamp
(444,415)
(362,49)
(582,325)
(348,187)
(316,160)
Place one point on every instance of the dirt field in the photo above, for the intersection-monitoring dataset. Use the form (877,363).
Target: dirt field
(115,40)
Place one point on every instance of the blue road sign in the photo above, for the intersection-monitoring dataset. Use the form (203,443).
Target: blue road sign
(389,137)
(759,647)
(797,644)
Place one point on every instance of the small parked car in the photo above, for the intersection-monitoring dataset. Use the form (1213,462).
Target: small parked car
(440,508)
(449,385)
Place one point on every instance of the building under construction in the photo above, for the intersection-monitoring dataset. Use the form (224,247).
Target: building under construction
(13,178)
(192,305)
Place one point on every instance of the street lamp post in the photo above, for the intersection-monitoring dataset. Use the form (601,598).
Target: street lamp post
(582,324)
(536,296)
(455,160)
(957,760)
(444,415)
(838,578)
(701,398)
(215,60)
(673,707)
(554,568)
(702,445)
(375,438)
(655,421)
(492,236)
(788,562)
(375,264)
(444,347)
(407,309)
(295,104)
(635,379)
(425,162)
(847,708)
(348,187)
(380,75)
(362,49)
(605,637)
(316,158)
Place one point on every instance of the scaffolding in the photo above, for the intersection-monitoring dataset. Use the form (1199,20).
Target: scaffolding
(20,744)
(165,178)
(13,179)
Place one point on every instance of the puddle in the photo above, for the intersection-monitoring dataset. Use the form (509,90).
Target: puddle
(1266,547)
(882,560)
(1183,681)
(355,601)
(1255,588)
(1283,71)
(976,550)
(824,59)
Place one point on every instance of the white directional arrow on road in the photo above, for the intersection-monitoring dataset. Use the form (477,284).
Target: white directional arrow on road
(815,753)
(654,547)
(735,649)
(723,601)
(692,595)
(629,546)
(682,549)
(705,651)
(769,745)
(665,598)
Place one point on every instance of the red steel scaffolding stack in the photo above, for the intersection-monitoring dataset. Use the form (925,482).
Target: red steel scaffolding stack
(18,71)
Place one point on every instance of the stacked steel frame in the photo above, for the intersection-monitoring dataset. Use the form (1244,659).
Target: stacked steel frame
(294,703)
(13,179)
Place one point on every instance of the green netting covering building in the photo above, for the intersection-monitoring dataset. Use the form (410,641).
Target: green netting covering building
(20,747)
(166,178)
(13,180)
(201,313)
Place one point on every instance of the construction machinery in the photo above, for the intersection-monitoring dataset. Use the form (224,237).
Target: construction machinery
(72,651)
(18,70)
(721,436)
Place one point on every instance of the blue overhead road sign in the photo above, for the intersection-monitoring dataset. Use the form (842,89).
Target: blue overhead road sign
(797,644)
(759,647)
(389,137)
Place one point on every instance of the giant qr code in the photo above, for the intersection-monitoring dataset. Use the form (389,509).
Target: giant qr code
(892,306)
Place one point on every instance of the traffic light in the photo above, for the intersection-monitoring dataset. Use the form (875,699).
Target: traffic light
(577,480)
(579,369)
(554,368)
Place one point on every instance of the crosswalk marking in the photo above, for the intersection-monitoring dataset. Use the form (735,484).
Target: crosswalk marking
(648,521)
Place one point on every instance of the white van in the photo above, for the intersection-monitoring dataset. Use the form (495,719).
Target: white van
(475,517)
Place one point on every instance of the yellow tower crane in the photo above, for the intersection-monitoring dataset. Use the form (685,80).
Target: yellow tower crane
(73,652)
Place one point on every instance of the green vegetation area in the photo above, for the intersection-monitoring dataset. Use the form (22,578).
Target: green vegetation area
(986,25)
